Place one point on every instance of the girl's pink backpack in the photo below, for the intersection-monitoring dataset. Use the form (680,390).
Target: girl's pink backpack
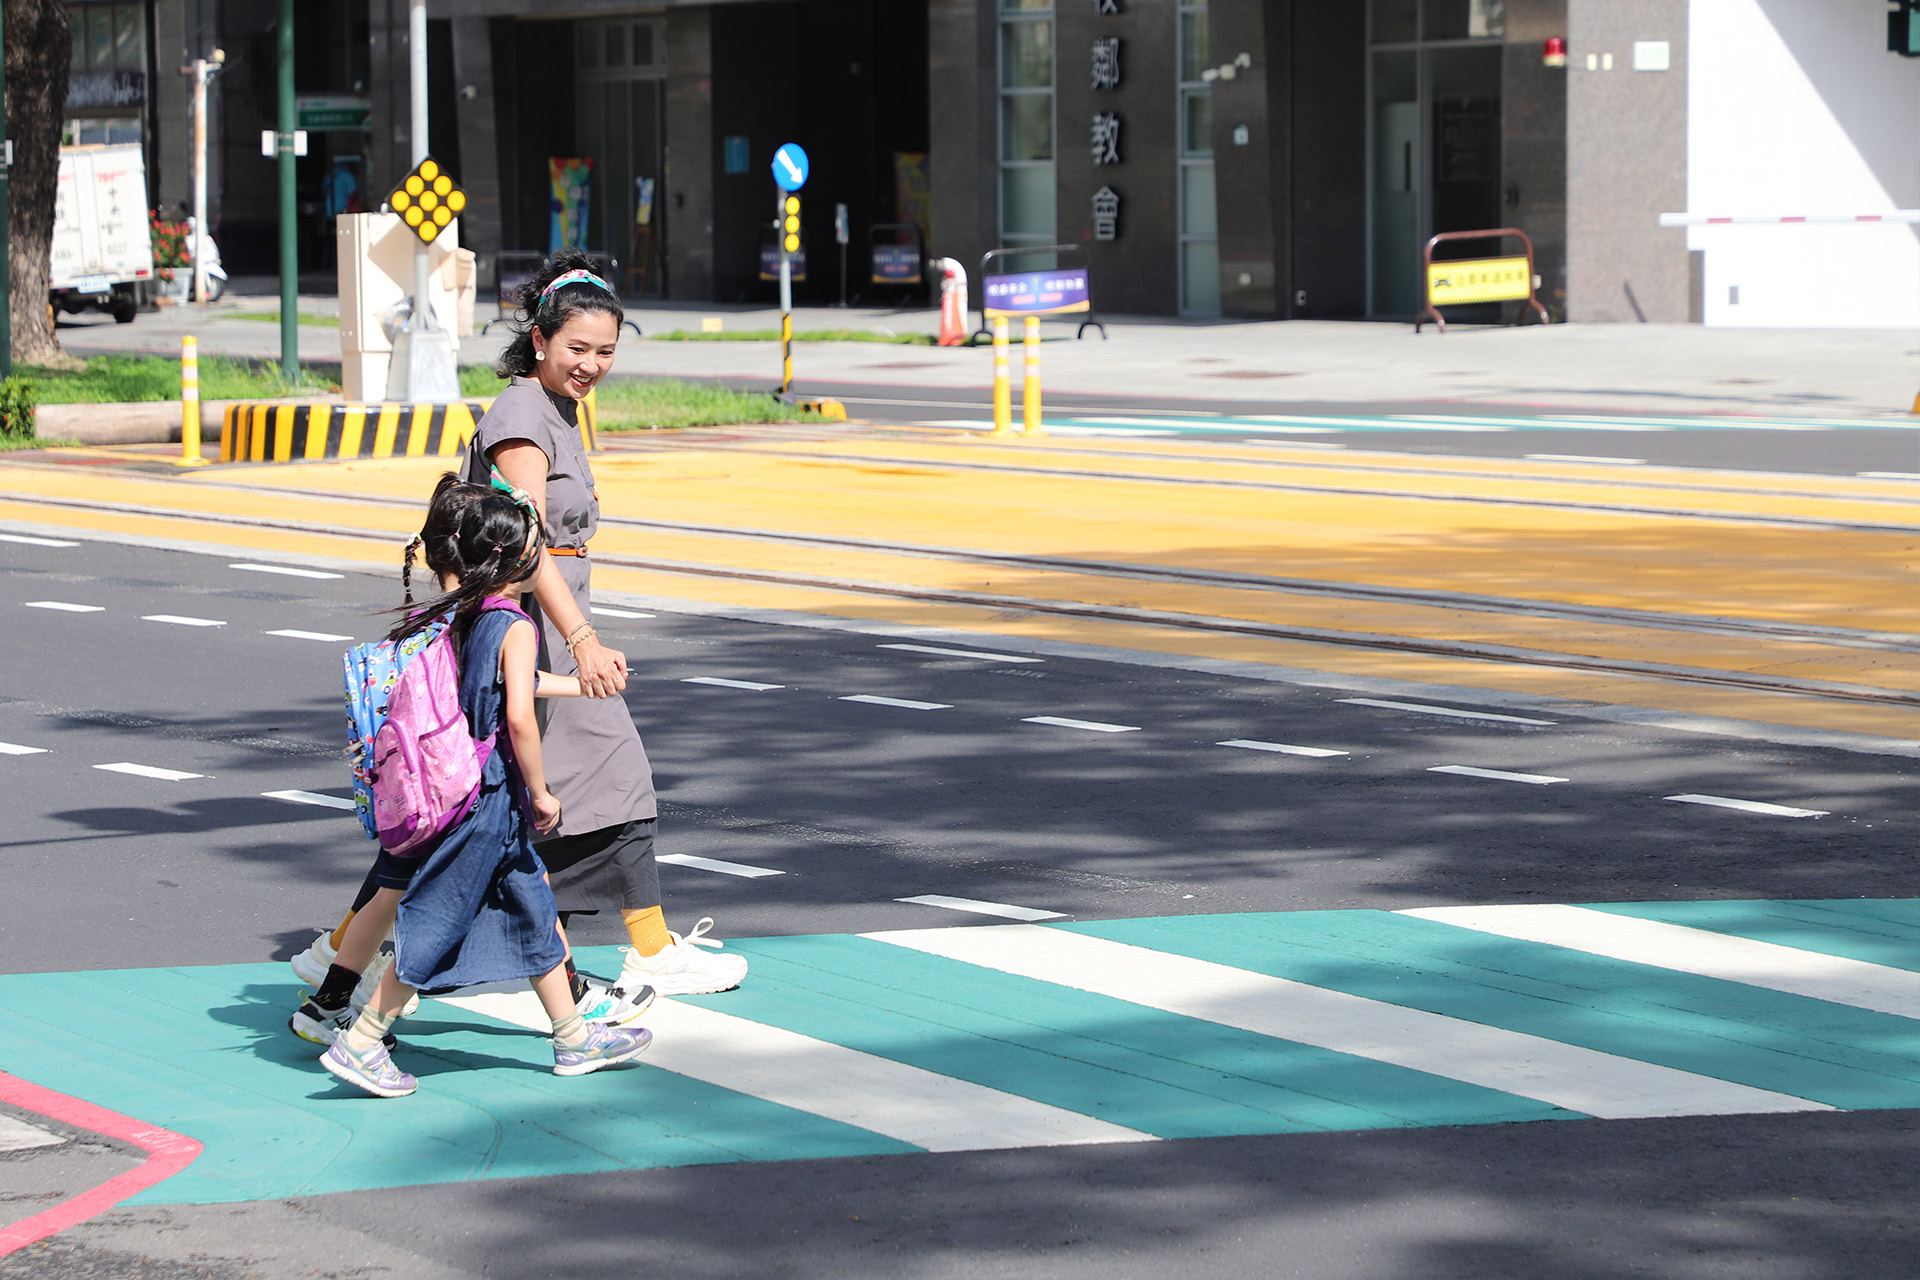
(426,763)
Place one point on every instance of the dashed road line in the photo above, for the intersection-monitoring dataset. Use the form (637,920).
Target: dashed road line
(979,908)
(1453,712)
(310,635)
(723,683)
(1699,951)
(286,570)
(1581,457)
(180,620)
(874,699)
(149,771)
(310,797)
(1888,475)
(1751,806)
(602,611)
(26,541)
(1284,748)
(1092,726)
(1497,775)
(725,868)
(64,606)
(962,653)
(15,749)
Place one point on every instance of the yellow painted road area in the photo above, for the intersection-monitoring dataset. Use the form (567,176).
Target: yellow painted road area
(1666,541)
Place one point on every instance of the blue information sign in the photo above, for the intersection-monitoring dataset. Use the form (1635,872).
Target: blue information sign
(790,166)
(1036,293)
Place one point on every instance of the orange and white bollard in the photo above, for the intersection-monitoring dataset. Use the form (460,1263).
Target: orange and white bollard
(1030,418)
(953,303)
(190,404)
(1002,380)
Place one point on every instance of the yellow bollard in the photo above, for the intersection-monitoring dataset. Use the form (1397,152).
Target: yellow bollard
(1002,380)
(190,404)
(1030,424)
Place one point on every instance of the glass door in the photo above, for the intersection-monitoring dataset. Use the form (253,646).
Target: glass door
(1199,219)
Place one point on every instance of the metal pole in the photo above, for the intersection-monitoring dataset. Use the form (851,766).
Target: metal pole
(289,226)
(786,300)
(422,317)
(6,274)
(199,179)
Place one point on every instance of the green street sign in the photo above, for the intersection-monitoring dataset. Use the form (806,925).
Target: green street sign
(334,112)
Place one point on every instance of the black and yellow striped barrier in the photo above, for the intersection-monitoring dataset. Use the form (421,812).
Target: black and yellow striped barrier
(275,431)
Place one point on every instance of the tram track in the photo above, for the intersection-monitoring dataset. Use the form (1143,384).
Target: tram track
(1749,629)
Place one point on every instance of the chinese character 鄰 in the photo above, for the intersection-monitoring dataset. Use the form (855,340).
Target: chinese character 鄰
(1106,214)
(1106,138)
(1106,63)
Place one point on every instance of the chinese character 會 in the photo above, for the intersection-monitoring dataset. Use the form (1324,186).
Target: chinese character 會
(1105,6)
(1106,214)
(1106,63)
(1105,138)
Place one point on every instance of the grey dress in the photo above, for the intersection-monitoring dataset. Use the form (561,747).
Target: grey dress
(594,761)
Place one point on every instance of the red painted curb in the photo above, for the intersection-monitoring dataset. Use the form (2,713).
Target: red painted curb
(167,1154)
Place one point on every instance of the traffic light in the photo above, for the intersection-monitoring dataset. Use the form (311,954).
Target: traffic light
(790,222)
(1903,28)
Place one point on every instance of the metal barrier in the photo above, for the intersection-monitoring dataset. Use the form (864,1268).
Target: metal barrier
(900,263)
(513,268)
(1469,280)
(1064,290)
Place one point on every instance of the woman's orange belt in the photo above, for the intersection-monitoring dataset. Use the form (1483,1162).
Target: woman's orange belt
(566,551)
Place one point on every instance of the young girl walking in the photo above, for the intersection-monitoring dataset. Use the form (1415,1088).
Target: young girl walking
(476,906)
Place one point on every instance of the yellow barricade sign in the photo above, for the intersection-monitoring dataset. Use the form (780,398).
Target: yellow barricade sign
(1479,280)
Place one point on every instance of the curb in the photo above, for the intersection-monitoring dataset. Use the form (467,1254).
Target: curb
(296,431)
(124,422)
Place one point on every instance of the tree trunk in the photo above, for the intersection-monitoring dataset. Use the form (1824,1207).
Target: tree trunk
(39,51)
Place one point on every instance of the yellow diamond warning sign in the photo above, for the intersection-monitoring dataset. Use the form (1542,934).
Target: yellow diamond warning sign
(427,199)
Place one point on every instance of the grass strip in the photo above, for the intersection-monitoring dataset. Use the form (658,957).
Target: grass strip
(642,404)
(273,317)
(113,379)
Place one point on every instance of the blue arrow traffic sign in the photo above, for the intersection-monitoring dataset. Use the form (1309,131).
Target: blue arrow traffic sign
(790,166)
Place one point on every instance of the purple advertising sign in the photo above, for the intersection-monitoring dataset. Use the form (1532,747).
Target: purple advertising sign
(896,264)
(1037,293)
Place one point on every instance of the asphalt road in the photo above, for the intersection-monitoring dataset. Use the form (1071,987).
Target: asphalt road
(859,804)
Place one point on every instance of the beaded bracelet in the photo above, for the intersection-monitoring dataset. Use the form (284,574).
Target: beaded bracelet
(582,632)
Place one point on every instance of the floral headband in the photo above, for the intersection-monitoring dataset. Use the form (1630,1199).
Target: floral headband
(575,277)
(523,501)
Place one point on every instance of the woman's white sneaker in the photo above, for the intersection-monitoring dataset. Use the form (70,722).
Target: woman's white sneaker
(311,965)
(686,966)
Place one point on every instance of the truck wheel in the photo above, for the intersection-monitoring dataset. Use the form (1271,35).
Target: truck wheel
(124,307)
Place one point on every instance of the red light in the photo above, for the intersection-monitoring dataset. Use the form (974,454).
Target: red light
(1555,53)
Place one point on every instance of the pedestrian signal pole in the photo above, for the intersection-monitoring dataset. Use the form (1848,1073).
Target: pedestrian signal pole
(289,216)
(790,167)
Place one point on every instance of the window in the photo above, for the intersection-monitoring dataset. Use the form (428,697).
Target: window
(108,37)
(1199,220)
(1026,123)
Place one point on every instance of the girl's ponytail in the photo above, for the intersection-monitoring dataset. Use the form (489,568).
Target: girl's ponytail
(406,569)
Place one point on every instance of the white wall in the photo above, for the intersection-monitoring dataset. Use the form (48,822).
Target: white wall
(1795,107)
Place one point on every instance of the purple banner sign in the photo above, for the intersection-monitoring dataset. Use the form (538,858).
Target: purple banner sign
(1037,293)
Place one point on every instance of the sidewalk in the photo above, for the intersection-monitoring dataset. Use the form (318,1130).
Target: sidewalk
(1634,368)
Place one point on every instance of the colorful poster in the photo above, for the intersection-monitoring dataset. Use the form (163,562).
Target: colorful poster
(572,181)
(913,191)
(643,202)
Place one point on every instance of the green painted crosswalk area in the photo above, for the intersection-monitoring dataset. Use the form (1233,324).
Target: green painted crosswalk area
(1002,1036)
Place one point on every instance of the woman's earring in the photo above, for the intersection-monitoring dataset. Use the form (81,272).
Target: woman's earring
(539,355)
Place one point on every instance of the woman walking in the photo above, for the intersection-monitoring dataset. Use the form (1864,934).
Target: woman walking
(601,856)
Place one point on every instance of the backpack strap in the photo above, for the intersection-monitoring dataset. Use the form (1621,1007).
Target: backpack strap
(503,605)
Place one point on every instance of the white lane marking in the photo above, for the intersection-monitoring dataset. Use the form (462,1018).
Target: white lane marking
(1751,806)
(15,749)
(1284,748)
(65,607)
(1888,475)
(962,653)
(1455,712)
(731,684)
(1701,951)
(1599,1084)
(310,797)
(716,864)
(907,1103)
(909,704)
(602,611)
(286,570)
(1582,457)
(1498,775)
(1664,424)
(149,771)
(310,635)
(980,908)
(18,1135)
(179,620)
(1092,726)
(25,541)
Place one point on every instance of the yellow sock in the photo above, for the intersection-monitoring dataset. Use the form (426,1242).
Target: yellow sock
(340,934)
(648,930)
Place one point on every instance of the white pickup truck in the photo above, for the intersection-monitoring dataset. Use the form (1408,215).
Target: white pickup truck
(102,242)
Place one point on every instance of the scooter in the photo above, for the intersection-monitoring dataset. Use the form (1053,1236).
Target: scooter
(210,254)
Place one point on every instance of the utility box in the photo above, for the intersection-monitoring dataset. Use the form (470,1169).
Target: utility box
(376,279)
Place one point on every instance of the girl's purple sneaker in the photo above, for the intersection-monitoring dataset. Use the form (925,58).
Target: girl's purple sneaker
(374,1072)
(604,1046)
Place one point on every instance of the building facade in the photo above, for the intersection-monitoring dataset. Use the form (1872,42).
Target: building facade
(1235,158)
